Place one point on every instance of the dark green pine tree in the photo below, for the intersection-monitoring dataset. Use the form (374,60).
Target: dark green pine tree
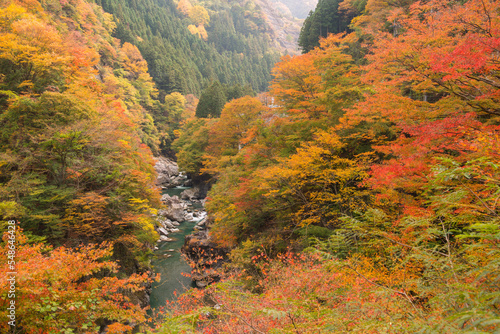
(324,20)
(212,101)
(305,32)
(236,91)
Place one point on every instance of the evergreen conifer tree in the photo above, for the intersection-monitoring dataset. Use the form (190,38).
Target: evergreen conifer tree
(324,20)
(212,101)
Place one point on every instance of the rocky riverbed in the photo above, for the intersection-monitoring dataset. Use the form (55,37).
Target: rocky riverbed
(183,214)
(184,245)
(179,208)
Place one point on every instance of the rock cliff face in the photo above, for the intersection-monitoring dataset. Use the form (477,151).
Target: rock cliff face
(298,8)
(284,26)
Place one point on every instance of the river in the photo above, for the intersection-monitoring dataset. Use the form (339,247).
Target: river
(169,263)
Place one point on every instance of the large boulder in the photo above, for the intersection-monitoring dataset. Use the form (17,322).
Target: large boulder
(163,231)
(175,208)
(190,194)
(197,192)
(168,172)
(168,224)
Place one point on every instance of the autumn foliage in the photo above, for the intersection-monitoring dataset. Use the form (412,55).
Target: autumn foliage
(76,165)
(367,198)
(70,290)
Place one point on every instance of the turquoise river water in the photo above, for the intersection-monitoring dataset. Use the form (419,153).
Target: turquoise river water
(169,262)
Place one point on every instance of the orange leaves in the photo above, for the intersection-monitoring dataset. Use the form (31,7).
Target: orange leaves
(421,146)
(34,46)
(432,58)
(297,85)
(426,78)
(57,290)
(303,293)
(134,63)
(83,146)
(87,217)
(235,129)
(318,84)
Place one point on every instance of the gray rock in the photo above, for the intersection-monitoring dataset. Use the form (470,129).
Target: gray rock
(163,231)
(201,284)
(202,222)
(193,194)
(189,194)
(175,208)
(167,171)
(176,181)
(169,224)
(165,238)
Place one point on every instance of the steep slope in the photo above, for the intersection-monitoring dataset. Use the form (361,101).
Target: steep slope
(76,168)
(297,8)
(284,26)
(373,182)
(184,53)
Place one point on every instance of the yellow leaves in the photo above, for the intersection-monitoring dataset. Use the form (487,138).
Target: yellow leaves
(198,31)
(203,32)
(26,83)
(37,33)
(141,205)
(10,14)
(34,6)
(321,184)
(11,209)
(184,6)
(199,16)
(33,41)
(193,30)
(124,144)
(44,55)
(133,62)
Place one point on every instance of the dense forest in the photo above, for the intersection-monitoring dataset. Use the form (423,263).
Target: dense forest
(362,194)
(359,193)
(76,168)
(226,41)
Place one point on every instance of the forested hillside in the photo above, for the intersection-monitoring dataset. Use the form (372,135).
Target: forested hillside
(187,45)
(361,195)
(81,118)
(329,17)
(76,169)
